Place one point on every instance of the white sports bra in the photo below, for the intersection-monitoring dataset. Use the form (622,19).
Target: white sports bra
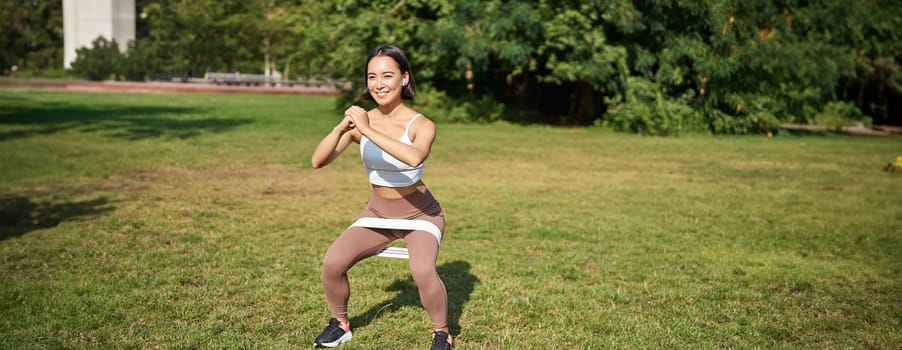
(386,170)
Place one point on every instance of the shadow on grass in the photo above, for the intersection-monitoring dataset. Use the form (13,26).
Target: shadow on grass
(32,118)
(459,283)
(20,214)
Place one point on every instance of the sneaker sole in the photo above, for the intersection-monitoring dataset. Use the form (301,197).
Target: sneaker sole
(344,337)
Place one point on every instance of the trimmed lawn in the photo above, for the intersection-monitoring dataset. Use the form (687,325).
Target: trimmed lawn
(195,221)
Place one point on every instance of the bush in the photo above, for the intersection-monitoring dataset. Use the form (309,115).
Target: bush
(99,62)
(437,105)
(442,108)
(750,114)
(135,65)
(647,110)
(47,73)
(838,114)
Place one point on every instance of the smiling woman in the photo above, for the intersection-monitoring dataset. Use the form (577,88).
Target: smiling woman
(394,143)
(386,64)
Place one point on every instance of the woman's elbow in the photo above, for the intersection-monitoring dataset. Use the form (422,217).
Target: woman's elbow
(415,161)
(319,160)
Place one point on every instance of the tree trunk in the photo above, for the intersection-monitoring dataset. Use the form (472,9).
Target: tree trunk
(266,57)
(583,106)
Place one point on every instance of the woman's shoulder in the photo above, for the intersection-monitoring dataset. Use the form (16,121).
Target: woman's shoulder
(418,119)
(421,125)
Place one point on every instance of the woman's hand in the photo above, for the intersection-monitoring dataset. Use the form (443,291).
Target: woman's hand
(359,118)
(346,124)
(335,143)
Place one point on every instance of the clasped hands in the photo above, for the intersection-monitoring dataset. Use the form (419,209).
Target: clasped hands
(355,117)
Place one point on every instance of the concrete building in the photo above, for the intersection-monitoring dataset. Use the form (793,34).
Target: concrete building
(85,20)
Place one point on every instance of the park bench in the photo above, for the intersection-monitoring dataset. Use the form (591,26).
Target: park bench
(242,79)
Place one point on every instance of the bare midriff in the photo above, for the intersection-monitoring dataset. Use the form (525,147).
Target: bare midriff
(395,192)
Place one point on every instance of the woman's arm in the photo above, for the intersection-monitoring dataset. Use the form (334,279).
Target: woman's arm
(334,143)
(423,133)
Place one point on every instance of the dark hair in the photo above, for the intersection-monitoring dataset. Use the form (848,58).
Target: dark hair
(396,54)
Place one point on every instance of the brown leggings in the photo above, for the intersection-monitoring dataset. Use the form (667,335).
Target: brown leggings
(358,243)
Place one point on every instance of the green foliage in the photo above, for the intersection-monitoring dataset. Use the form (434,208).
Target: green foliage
(48,73)
(442,108)
(751,114)
(31,35)
(439,106)
(647,110)
(840,114)
(100,61)
(567,60)
(136,64)
(436,105)
(577,50)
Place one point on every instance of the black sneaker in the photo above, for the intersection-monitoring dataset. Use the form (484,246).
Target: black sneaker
(332,336)
(441,341)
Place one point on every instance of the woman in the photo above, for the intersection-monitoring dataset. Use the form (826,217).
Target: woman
(394,143)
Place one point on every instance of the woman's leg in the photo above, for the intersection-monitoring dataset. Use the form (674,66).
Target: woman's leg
(353,245)
(423,249)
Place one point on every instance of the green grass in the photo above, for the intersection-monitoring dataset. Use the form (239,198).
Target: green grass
(195,221)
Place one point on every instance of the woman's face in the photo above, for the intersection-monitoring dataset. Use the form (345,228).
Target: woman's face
(384,79)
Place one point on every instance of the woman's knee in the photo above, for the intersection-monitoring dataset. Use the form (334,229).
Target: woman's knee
(334,265)
(422,272)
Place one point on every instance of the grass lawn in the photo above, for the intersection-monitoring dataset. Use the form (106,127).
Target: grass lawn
(195,221)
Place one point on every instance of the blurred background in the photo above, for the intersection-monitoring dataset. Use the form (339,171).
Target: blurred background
(653,67)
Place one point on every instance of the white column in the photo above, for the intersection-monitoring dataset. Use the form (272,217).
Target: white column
(85,20)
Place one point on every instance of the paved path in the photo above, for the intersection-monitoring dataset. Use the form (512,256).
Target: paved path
(165,87)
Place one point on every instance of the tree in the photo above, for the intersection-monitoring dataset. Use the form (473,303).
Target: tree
(662,67)
(31,34)
(576,50)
